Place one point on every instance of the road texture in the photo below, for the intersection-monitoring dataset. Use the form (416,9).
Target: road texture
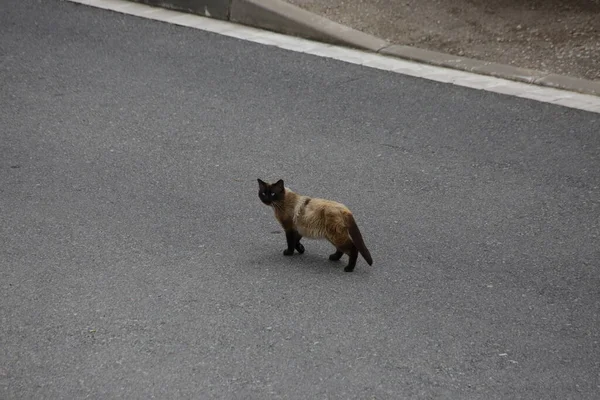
(137,261)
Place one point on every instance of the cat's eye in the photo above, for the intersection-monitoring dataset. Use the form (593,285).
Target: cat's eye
(272,194)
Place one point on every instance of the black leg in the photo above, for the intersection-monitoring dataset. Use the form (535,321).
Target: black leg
(352,261)
(336,256)
(290,237)
(299,246)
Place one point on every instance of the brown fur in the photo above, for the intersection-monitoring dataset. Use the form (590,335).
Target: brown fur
(317,219)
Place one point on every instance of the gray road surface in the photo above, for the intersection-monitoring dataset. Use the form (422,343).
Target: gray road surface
(137,261)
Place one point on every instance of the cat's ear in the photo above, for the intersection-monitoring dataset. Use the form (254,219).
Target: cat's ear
(279,185)
(261,184)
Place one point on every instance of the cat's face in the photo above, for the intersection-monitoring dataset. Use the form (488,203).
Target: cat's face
(269,193)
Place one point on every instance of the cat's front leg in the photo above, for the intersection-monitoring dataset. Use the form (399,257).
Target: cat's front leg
(293,241)
(299,246)
(290,237)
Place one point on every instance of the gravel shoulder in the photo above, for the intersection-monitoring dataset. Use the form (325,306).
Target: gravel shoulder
(556,36)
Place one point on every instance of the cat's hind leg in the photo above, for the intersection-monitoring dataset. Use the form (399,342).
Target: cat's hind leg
(336,256)
(353,253)
(344,245)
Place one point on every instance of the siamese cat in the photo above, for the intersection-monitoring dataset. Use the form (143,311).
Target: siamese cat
(314,218)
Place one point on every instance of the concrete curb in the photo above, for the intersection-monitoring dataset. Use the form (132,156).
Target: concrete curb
(494,69)
(283,17)
(280,16)
(218,9)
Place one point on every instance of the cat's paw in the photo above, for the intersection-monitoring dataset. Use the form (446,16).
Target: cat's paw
(300,248)
(288,252)
(348,269)
(336,256)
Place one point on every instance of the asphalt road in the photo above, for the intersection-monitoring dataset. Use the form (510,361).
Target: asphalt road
(138,262)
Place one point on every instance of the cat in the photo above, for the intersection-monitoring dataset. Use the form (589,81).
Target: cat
(314,218)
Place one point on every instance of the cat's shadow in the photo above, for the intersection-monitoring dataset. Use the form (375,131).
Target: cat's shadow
(312,262)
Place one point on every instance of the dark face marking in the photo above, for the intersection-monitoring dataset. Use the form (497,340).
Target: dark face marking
(269,193)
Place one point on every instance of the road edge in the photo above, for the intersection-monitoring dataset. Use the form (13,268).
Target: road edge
(282,17)
(497,70)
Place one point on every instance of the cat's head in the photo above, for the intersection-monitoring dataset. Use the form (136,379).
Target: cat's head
(269,193)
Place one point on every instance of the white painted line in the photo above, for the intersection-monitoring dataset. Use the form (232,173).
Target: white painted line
(353,56)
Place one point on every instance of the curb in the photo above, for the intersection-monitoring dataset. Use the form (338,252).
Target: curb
(494,69)
(218,9)
(282,17)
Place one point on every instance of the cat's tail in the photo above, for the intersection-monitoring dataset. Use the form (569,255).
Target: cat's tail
(357,239)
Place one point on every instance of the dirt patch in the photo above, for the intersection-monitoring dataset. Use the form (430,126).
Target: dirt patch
(556,36)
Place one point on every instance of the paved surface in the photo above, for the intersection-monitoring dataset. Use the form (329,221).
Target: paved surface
(370,59)
(137,260)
